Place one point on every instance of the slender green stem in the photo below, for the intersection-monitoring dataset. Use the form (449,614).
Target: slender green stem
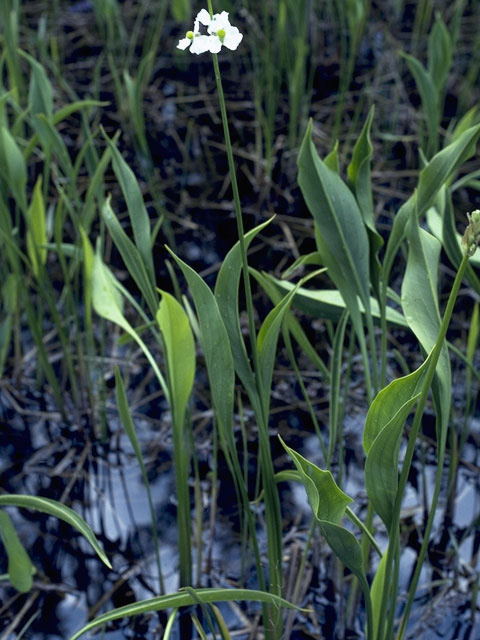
(272,621)
(430,372)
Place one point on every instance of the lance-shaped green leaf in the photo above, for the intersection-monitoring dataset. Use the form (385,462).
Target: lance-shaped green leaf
(429,96)
(226,295)
(20,567)
(389,401)
(131,256)
(184,599)
(180,356)
(381,466)
(179,352)
(136,208)
(267,344)
(216,348)
(60,511)
(420,306)
(433,176)
(341,236)
(360,182)
(439,54)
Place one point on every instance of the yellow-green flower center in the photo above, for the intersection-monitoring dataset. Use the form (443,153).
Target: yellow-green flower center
(190,35)
(221,34)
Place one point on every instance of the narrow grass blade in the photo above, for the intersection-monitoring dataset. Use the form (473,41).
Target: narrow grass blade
(20,567)
(429,96)
(329,303)
(37,229)
(127,422)
(136,208)
(12,159)
(131,256)
(60,511)
(184,599)
(226,295)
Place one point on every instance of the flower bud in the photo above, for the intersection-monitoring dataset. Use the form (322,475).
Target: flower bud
(471,237)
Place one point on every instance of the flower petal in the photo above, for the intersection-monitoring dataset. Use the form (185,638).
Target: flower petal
(201,44)
(204,17)
(232,38)
(220,21)
(184,43)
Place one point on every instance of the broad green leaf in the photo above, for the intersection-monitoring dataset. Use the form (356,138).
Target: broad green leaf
(37,229)
(179,352)
(131,256)
(136,208)
(381,466)
(347,549)
(389,401)
(184,599)
(226,295)
(420,306)
(327,500)
(20,568)
(216,348)
(439,53)
(60,511)
(340,232)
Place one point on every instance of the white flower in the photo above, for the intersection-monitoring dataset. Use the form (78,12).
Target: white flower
(220,26)
(220,32)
